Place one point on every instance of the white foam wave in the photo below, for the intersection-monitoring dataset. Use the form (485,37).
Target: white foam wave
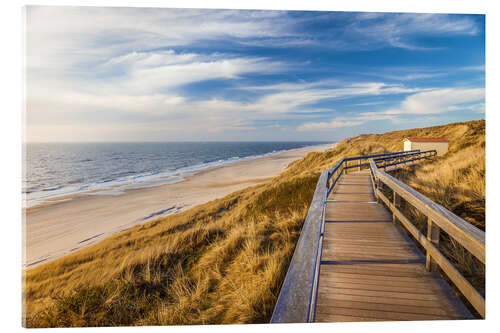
(118,185)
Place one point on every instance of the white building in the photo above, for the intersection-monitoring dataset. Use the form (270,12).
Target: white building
(439,144)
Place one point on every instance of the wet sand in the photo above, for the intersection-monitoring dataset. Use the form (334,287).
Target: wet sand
(58,227)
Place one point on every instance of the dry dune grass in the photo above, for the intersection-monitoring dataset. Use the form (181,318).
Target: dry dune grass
(225,261)
(222,262)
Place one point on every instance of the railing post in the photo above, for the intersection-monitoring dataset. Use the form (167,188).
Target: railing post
(345,167)
(396,201)
(433,237)
(359,165)
(378,189)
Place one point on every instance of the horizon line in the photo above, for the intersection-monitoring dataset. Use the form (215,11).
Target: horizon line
(184,141)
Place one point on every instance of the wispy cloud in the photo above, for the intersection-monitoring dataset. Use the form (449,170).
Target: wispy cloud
(346,122)
(99,33)
(473,68)
(142,74)
(369,103)
(398,30)
(293,95)
(328,125)
(438,101)
(422,103)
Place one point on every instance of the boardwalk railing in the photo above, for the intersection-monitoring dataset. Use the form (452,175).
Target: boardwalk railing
(438,218)
(385,160)
(296,301)
(360,162)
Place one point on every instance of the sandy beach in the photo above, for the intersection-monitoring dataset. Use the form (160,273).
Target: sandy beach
(59,227)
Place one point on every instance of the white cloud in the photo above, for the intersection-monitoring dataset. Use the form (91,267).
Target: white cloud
(328,125)
(293,96)
(397,29)
(161,77)
(78,34)
(414,76)
(438,101)
(473,68)
(478,108)
(140,73)
(427,102)
(353,120)
(369,103)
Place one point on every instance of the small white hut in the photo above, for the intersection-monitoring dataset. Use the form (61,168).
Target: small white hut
(439,144)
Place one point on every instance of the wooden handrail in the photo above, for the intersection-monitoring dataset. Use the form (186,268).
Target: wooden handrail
(342,164)
(299,288)
(459,229)
(332,170)
(465,233)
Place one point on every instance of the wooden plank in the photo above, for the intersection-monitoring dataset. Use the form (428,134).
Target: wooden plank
(378,314)
(332,253)
(341,228)
(356,186)
(353,230)
(360,238)
(331,273)
(340,240)
(409,252)
(362,181)
(352,197)
(387,307)
(385,300)
(371,228)
(376,229)
(347,256)
(376,287)
(366,197)
(357,181)
(380,293)
(383,247)
(382,270)
(362,226)
(422,285)
(356,211)
(329,318)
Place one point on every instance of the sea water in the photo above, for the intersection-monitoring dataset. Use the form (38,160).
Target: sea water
(56,169)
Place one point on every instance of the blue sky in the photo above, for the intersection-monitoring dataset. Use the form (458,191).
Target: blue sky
(131,74)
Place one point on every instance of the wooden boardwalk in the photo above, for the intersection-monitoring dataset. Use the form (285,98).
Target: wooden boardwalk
(370,270)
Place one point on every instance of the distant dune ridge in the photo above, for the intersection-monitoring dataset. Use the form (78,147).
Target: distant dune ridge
(225,261)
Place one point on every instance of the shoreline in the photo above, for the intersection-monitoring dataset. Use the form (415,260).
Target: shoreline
(48,233)
(119,186)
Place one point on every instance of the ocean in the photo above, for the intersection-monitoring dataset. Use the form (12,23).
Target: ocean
(55,169)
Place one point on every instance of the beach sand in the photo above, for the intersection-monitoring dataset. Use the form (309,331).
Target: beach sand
(59,227)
